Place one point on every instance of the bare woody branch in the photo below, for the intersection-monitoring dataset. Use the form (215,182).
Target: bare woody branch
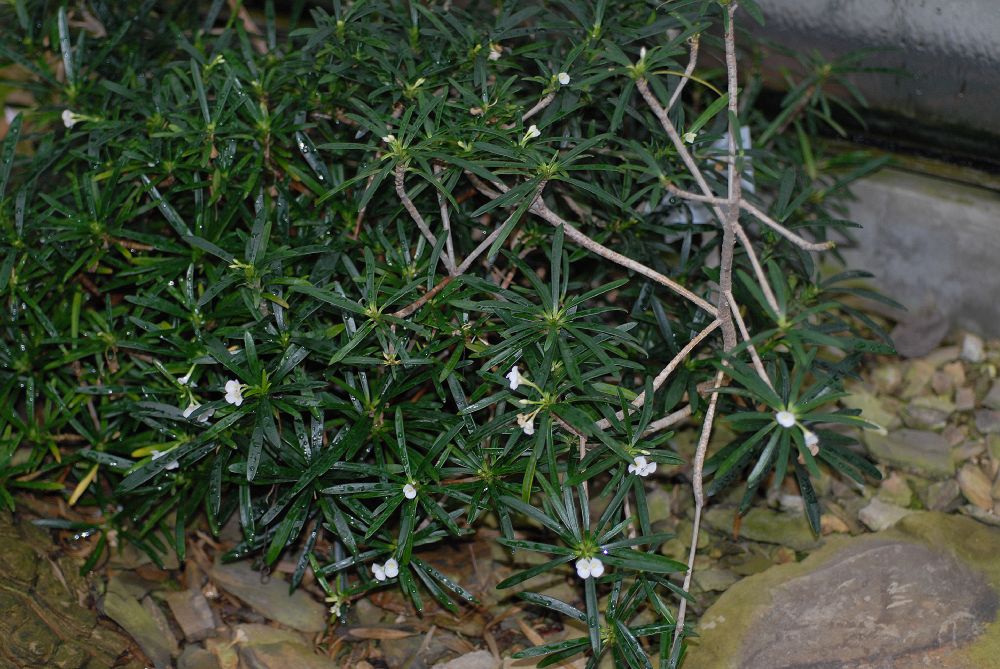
(449,246)
(726,304)
(688,71)
(758,271)
(415,214)
(539,106)
(783,231)
(681,356)
(757,363)
(669,420)
(539,208)
(461,269)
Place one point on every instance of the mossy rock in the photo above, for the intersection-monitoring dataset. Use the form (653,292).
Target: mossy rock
(42,622)
(923,593)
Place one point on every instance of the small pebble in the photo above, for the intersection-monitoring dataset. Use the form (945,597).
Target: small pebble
(965,399)
(972,348)
(975,486)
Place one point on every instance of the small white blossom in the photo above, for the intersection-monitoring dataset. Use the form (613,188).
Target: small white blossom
(379,572)
(70,119)
(533,132)
(192,407)
(409,491)
(812,441)
(391,568)
(389,139)
(526,422)
(184,380)
(495,51)
(641,467)
(170,465)
(689,137)
(234,392)
(563,78)
(335,610)
(785,418)
(589,568)
(514,376)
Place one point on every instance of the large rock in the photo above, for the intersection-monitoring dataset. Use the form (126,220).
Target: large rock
(767,526)
(923,452)
(44,622)
(270,596)
(119,605)
(923,594)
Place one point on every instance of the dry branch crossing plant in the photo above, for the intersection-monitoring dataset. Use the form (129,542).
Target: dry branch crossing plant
(365,278)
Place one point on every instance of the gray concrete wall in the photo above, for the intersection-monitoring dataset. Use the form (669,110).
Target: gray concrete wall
(951,47)
(933,244)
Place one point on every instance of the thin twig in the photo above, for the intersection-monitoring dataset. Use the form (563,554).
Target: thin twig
(668,420)
(461,269)
(446,222)
(668,126)
(361,212)
(415,214)
(730,222)
(658,381)
(688,71)
(801,242)
(410,309)
(785,232)
(765,285)
(539,208)
(699,504)
(757,363)
(542,104)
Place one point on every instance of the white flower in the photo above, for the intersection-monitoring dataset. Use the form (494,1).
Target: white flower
(812,441)
(589,568)
(495,51)
(389,570)
(641,467)
(533,132)
(70,119)
(514,376)
(563,78)
(389,139)
(335,610)
(191,408)
(689,137)
(234,392)
(642,53)
(170,465)
(186,379)
(526,422)
(409,491)
(785,418)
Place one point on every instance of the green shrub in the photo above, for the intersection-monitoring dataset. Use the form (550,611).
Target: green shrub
(375,273)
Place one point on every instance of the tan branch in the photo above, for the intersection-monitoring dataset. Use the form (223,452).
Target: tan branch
(539,208)
(669,420)
(762,281)
(757,363)
(688,71)
(803,244)
(660,378)
(415,214)
(542,104)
